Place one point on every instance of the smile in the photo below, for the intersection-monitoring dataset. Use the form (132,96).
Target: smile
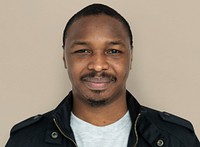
(98,83)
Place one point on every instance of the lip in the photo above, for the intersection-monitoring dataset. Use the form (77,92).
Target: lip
(97,83)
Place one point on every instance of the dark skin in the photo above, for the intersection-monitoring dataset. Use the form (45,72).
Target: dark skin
(98,57)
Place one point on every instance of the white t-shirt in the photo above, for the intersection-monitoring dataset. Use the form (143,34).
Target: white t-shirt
(88,135)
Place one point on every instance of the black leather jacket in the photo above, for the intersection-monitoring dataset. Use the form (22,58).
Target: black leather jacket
(150,128)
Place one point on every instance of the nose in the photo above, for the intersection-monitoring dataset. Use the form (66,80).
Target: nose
(98,63)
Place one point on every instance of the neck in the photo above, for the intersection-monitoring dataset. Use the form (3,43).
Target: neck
(102,115)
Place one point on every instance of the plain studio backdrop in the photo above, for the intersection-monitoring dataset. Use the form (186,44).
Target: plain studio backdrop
(166,67)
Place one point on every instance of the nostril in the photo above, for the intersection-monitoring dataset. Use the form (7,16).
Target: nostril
(98,65)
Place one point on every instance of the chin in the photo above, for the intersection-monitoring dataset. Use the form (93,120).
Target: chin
(98,97)
(97,103)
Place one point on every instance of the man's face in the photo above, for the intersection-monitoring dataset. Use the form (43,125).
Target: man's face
(97,55)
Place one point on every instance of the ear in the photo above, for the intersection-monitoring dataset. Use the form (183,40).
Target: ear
(64,59)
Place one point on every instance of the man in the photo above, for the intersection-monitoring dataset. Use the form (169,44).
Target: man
(99,111)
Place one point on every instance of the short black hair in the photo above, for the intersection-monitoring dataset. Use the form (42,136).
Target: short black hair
(98,9)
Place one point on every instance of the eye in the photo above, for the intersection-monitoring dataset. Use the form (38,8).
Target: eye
(82,51)
(113,51)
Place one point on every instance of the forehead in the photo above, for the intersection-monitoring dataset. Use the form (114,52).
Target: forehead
(97,26)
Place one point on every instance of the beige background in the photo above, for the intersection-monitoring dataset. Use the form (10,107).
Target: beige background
(165,75)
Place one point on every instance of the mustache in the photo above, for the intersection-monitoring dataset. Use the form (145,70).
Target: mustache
(102,75)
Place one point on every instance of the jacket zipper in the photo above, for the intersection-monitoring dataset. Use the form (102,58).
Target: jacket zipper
(64,133)
(135,130)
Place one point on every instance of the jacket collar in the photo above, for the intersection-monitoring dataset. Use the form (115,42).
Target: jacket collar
(133,106)
(63,112)
(145,127)
(62,115)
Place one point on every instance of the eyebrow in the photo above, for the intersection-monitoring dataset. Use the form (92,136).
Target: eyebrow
(79,43)
(118,42)
(85,43)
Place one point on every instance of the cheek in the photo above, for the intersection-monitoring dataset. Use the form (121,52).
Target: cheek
(75,68)
(121,72)
(122,68)
(122,64)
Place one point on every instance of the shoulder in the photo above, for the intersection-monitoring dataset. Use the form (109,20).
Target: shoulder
(25,130)
(175,127)
(26,123)
(33,121)
(165,117)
